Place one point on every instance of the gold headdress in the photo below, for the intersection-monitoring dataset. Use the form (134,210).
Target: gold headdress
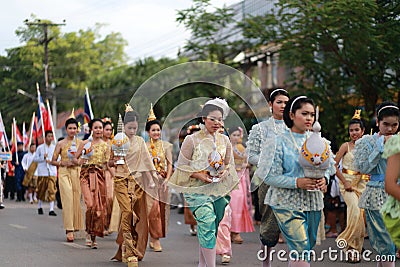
(357,115)
(151,117)
(72,116)
(128,107)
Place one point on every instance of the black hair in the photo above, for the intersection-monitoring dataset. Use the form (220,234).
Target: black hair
(207,109)
(357,121)
(105,123)
(90,124)
(290,107)
(71,121)
(150,123)
(47,132)
(233,129)
(390,110)
(273,93)
(32,144)
(131,116)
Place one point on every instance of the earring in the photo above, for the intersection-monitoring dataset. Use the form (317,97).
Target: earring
(270,109)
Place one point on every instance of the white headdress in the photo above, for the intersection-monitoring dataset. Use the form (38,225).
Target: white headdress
(219,102)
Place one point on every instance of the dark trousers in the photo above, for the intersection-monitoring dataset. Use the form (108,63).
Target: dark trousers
(10,187)
(255,200)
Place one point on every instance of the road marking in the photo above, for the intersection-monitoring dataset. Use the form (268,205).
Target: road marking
(18,226)
(74,245)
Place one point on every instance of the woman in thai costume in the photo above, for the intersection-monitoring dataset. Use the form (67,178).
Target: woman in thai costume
(296,200)
(109,173)
(352,184)
(157,202)
(368,159)
(68,179)
(206,174)
(261,141)
(93,154)
(132,177)
(240,198)
(391,209)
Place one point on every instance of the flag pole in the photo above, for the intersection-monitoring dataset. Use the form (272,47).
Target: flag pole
(51,120)
(41,115)
(15,139)
(23,137)
(31,128)
(89,104)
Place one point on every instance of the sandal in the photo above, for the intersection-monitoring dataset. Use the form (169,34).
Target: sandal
(353,256)
(236,238)
(88,241)
(331,235)
(225,259)
(70,237)
(132,261)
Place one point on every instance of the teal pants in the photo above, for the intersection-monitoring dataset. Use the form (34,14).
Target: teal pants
(208,216)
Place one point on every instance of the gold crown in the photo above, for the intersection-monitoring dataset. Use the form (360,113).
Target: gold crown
(357,115)
(128,107)
(72,116)
(151,117)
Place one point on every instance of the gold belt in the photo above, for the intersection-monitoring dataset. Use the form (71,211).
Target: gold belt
(363,176)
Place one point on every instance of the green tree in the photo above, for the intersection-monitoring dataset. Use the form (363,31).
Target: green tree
(76,60)
(344,53)
(205,23)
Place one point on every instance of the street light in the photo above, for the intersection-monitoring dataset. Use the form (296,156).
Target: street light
(23,92)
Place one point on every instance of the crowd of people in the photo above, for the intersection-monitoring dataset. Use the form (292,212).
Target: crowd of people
(128,190)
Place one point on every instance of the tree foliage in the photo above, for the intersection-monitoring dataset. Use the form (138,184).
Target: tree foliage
(205,22)
(76,60)
(344,53)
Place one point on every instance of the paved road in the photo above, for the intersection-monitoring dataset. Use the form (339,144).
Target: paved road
(27,239)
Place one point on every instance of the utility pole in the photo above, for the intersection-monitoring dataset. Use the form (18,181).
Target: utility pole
(46,40)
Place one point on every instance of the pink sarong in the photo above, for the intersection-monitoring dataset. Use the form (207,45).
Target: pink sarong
(241,205)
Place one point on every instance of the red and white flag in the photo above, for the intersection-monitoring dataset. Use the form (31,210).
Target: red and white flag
(3,134)
(43,119)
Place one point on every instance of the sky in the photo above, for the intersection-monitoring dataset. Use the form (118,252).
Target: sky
(149,27)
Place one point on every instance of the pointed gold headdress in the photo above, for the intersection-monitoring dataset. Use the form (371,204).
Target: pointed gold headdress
(128,108)
(152,116)
(357,115)
(72,116)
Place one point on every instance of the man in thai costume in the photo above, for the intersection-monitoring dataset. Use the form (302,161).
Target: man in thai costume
(261,142)
(47,174)
(294,195)
(133,173)
(368,159)
(157,207)
(68,178)
(93,155)
(19,172)
(30,179)
(206,174)
(391,208)
(352,185)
